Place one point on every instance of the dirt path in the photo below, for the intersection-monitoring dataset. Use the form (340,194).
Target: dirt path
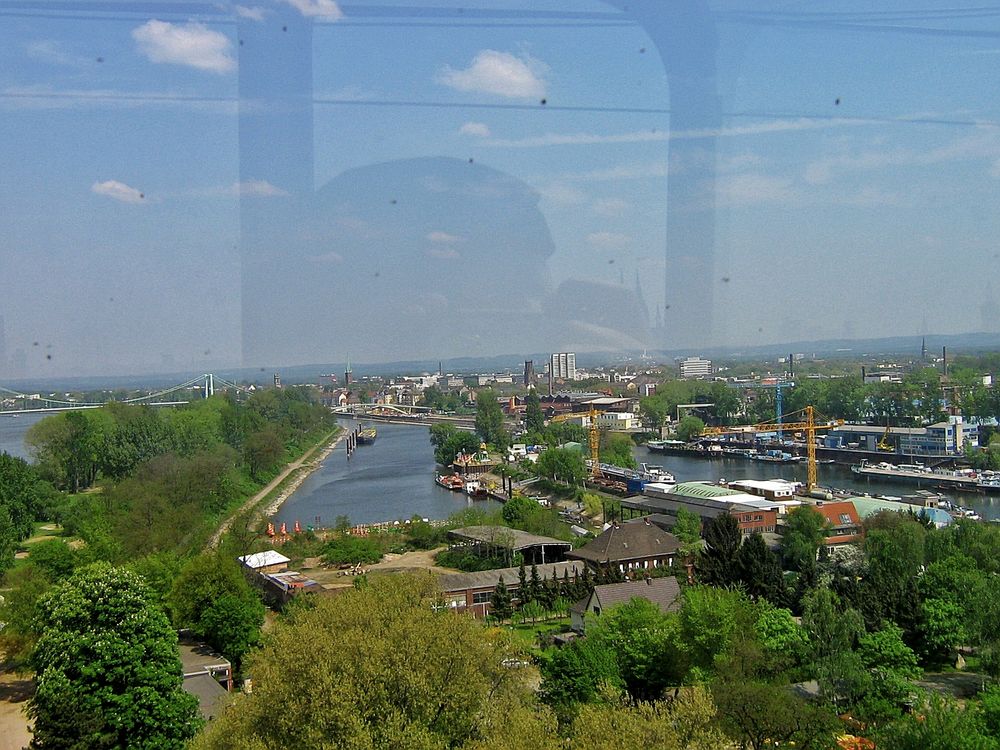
(14,725)
(306,459)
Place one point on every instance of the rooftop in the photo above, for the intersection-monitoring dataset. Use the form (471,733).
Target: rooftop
(503,536)
(663,592)
(704,490)
(263,559)
(634,540)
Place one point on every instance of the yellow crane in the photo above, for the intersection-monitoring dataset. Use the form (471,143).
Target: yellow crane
(593,437)
(808,425)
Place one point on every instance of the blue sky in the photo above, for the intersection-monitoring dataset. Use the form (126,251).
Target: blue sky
(856,170)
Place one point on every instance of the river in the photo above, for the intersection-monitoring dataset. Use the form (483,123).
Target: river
(13,430)
(392,479)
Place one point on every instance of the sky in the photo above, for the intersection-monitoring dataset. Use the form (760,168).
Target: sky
(189,185)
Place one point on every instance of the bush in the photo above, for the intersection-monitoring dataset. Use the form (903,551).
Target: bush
(351,550)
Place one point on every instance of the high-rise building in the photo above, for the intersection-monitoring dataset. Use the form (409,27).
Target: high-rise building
(562,366)
(695,367)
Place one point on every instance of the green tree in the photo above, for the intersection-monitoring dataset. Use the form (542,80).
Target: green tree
(55,557)
(107,666)
(263,451)
(212,598)
(643,640)
(616,449)
(376,667)
(687,529)
(805,530)
(759,715)
(448,441)
(489,420)
(562,464)
(501,602)
(689,428)
(760,570)
(712,620)
(23,493)
(24,587)
(939,725)
(534,420)
(717,562)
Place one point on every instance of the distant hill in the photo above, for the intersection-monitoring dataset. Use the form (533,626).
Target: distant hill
(957,343)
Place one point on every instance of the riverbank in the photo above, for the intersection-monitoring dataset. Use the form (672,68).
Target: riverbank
(305,465)
(305,470)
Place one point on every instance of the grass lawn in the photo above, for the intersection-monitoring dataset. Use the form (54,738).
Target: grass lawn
(527,633)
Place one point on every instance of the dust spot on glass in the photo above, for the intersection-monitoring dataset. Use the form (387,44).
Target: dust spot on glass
(393,201)
(666,307)
(207,352)
(611,262)
(142,196)
(377,274)
(48,356)
(284,28)
(760,330)
(100,59)
(836,101)
(470,160)
(34,343)
(725,279)
(642,50)
(544,102)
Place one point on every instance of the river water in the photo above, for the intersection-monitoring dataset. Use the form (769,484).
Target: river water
(13,430)
(394,478)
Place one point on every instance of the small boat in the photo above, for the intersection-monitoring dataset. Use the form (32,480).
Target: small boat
(474,488)
(367,435)
(451,482)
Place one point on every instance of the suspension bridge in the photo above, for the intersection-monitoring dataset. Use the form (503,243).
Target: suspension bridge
(14,402)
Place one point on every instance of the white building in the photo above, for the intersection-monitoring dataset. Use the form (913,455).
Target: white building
(695,367)
(562,366)
(617,420)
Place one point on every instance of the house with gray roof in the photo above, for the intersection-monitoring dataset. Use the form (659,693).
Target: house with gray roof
(629,547)
(665,593)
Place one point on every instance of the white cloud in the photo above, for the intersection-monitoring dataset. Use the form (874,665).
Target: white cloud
(191,44)
(499,73)
(611,207)
(444,253)
(754,189)
(443,237)
(258,188)
(327,9)
(253,14)
(54,53)
(478,129)
(558,192)
(608,240)
(654,135)
(117,190)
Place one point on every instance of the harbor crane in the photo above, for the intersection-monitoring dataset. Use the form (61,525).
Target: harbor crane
(808,425)
(593,437)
